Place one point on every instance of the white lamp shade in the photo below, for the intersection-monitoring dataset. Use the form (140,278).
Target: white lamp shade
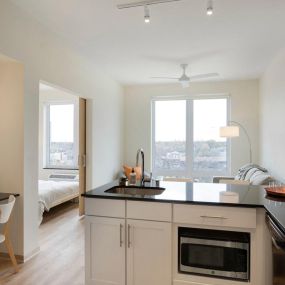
(229,132)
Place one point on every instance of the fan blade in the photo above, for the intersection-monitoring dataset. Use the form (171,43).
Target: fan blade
(176,78)
(202,76)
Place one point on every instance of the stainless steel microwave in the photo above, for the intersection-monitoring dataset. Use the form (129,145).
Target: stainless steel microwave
(214,253)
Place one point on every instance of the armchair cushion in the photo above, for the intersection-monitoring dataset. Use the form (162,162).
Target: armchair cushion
(250,174)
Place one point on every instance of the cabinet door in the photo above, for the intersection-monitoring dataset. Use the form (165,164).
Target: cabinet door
(105,251)
(148,253)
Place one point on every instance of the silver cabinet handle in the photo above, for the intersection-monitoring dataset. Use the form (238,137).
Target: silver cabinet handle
(129,236)
(214,217)
(121,235)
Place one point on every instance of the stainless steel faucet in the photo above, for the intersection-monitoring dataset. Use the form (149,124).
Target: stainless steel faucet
(141,152)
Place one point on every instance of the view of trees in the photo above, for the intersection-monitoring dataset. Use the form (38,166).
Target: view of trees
(61,154)
(208,155)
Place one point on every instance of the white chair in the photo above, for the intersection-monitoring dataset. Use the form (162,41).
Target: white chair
(5,213)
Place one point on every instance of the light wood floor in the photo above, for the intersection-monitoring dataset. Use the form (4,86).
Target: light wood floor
(61,259)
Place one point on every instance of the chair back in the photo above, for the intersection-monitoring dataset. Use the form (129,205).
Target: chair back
(6,210)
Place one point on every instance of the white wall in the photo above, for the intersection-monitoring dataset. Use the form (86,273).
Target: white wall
(53,95)
(48,58)
(244,109)
(12,140)
(272,117)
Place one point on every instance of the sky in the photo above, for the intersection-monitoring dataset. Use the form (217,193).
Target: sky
(62,123)
(208,117)
(170,120)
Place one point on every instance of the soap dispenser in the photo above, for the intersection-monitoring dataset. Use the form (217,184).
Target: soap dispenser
(133,177)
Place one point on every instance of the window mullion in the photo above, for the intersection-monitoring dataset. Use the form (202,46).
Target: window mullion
(75,136)
(153,154)
(189,138)
(48,135)
(228,145)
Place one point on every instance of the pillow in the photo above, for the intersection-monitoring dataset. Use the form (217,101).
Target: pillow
(128,171)
(251,173)
(260,178)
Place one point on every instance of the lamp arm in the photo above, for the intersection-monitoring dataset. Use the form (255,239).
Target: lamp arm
(247,136)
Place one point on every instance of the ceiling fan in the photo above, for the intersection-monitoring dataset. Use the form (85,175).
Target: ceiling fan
(185,80)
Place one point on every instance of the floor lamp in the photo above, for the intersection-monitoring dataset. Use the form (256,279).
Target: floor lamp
(232,131)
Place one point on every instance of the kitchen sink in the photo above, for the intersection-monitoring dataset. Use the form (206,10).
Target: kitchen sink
(142,191)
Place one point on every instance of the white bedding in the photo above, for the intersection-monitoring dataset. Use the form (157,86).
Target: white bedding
(52,193)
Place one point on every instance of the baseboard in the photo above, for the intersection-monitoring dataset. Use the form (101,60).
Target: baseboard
(21,258)
(32,254)
(5,255)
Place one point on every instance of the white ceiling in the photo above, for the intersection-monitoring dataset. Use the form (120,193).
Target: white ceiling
(238,41)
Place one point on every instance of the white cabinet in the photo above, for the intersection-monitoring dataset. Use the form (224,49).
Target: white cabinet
(148,253)
(215,216)
(121,250)
(150,211)
(105,251)
(105,208)
(136,242)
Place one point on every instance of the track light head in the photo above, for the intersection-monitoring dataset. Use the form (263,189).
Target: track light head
(210,8)
(146,14)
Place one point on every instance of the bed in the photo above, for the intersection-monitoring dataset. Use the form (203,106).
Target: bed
(53,193)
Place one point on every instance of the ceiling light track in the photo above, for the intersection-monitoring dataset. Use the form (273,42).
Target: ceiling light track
(143,3)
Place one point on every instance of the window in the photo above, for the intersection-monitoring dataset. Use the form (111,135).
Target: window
(170,135)
(186,140)
(61,146)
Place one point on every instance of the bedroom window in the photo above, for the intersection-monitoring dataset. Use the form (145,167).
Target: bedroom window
(185,137)
(60,136)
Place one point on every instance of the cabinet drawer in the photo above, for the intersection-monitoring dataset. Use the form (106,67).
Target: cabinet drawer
(188,283)
(105,207)
(215,216)
(149,211)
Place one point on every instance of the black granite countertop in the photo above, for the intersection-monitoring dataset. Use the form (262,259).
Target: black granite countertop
(205,194)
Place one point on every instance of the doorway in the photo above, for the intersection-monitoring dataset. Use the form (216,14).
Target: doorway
(62,149)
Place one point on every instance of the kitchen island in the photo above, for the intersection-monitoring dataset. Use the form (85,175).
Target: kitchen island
(138,239)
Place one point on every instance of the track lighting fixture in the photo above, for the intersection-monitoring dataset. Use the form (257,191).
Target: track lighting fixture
(143,3)
(146,14)
(210,8)
(147,3)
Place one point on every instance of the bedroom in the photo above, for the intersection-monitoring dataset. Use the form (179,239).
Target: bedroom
(60,138)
